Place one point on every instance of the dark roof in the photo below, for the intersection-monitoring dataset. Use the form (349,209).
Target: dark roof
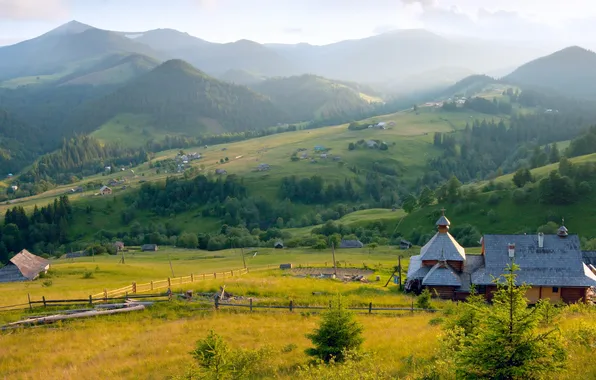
(29,264)
(589,257)
(558,263)
(351,244)
(443,247)
(441,274)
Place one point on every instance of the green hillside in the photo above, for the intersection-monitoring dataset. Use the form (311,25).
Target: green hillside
(242,77)
(308,97)
(571,71)
(181,99)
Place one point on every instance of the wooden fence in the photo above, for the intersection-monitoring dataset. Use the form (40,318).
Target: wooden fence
(168,283)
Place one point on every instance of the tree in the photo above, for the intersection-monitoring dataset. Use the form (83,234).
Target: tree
(351,146)
(521,177)
(338,334)
(565,166)
(554,155)
(508,343)
(227,159)
(212,354)
(427,197)
(453,188)
(409,204)
(423,300)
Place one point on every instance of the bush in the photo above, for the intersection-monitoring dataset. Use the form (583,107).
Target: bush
(87,274)
(494,199)
(519,196)
(423,300)
(46,283)
(337,335)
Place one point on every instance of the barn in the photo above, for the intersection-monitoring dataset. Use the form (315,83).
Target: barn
(24,266)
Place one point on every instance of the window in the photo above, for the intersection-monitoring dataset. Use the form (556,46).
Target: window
(555,289)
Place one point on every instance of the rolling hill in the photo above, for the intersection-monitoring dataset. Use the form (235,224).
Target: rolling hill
(178,98)
(241,77)
(309,97)
(64,50)
(571,72)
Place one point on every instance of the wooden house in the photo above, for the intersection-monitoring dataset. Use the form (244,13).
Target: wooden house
(278,244)
(149,248)
(24,266)
(104,190)
(552,265)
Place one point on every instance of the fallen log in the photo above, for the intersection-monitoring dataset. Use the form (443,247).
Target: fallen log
(61,317)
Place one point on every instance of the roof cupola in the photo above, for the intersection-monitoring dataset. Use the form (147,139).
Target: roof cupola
(443,223)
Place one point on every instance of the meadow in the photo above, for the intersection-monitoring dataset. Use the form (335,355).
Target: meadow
(155,343)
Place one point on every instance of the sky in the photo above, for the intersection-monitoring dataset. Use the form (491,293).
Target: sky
(312,21)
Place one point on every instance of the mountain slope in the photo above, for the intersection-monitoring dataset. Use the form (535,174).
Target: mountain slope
(63,51)
(241,77)
(19,143)
(179,98)
(571,71)
(308,97)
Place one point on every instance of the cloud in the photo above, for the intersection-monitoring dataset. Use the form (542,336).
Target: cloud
(291,30)
(32,9)
(423,3)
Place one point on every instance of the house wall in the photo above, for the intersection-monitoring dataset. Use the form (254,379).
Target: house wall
(547,292)
(533,294)
(444,292)
(573,295)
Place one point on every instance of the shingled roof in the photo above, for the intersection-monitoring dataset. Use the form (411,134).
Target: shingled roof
(443,247)
(28,264)
(557,263)
(441,274)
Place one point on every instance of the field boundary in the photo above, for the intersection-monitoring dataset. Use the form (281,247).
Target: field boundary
(135,288)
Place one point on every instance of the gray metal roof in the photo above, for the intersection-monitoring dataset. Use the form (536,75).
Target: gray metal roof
(443,221)
(558,263)
(441,274)
(414,265)
(443,247)
(351,244)
(589,257)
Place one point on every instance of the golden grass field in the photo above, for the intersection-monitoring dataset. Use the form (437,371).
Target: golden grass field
(155,343)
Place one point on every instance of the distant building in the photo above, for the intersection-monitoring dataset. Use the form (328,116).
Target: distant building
(404,244)
(351,244)
(278,244)
(371,144)
(320,148)
(105,191)
(14,187)
(221,171)
(263,167)
(149,248)
(24,266)
(323,155)
(337,158)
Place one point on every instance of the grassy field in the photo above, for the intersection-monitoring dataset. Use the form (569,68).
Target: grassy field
(155,343)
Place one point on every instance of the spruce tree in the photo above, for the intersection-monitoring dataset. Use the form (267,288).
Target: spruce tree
(509,344)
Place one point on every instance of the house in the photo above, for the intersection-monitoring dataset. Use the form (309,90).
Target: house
(320,148)
(105,191)
(24,266)
(404,244)
(550,264)
(263,167)
(149,248)
(119,246)
(337,158)
(323,155)
(116,182)
(350,244)
(304,156)
(220,171)
(371,144)
(278,244)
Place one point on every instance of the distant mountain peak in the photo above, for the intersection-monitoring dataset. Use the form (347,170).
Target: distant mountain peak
(71,27)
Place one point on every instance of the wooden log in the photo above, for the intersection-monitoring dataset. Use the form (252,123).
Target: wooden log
(86,314)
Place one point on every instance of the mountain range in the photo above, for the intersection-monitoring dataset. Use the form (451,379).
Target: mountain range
(393,57)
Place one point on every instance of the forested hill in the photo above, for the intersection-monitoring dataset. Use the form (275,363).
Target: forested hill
(180,98)
(19,143)
(308,97)
(571,71)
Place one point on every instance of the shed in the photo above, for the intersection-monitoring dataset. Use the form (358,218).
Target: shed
(24,266)
(149,248)
(404,244)
(351,244)
(220,171)
(278,244)
(285,266)
(104,190)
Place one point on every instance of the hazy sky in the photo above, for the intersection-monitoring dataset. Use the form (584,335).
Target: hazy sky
(313,21)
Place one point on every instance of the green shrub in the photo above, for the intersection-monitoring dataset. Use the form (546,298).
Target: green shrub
(46,283)
(423,300)
(337,335)
(88,274)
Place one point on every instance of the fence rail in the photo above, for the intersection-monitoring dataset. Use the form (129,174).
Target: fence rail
(169,282)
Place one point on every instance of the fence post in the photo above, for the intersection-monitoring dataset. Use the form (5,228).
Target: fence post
(134,288)
(105,295)
(216,303)
(90,300)
(169,282)
(29,298)
(192,278)
(370,308)
(43,298)
(214,274)
(291,305)
(151,285)
(250,299)
(232,271)
(330,304)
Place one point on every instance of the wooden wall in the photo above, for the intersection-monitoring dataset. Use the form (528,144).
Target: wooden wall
(535,293)
(573,295)
(444,292)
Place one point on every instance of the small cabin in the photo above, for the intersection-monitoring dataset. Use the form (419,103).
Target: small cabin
(149,248)
(105,191)
(24,266)
(278,245)
(351,244)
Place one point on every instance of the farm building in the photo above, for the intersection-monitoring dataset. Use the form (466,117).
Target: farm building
(351,244)
(550,264)
(24,266)
(278,244)
(104,190)
(221,171)
(320,148)
(404,244)
(149,248)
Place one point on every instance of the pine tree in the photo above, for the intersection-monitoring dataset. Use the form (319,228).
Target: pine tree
(554,155)
(509,343)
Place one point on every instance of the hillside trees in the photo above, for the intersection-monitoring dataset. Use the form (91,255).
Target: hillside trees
(521,177)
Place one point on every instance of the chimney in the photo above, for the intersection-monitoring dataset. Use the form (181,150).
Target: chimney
(540,240)
(511,249)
